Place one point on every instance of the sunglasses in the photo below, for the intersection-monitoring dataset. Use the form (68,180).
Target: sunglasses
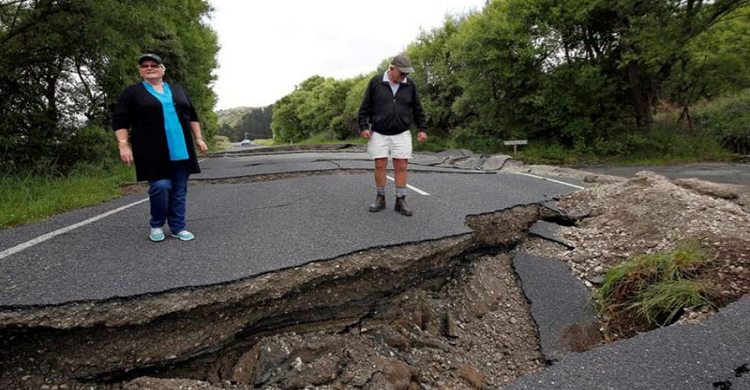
(152,66)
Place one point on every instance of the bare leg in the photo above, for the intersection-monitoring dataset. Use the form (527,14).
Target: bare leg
(380,165)
(399,166)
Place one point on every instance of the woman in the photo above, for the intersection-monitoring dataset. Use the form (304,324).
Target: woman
(159,118)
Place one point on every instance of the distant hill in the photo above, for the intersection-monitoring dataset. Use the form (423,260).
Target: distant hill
(255,121)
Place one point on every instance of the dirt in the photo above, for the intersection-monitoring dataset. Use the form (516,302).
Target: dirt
(649,214)
(439,315)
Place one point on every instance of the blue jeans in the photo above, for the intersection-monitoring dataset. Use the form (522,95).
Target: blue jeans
(168,199)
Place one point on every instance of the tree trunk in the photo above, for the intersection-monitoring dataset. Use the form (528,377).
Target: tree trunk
(640,98)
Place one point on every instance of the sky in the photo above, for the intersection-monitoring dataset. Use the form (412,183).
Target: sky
(268,47)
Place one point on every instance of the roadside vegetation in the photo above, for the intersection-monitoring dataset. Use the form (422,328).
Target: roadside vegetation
(654,290)
(31,197)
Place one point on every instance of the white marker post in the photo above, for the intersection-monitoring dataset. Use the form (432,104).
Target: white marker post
(515,144)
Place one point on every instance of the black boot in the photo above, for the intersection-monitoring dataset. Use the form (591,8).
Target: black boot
(378,205)
(401,206)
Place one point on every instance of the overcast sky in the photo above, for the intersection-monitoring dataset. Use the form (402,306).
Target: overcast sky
(268,47)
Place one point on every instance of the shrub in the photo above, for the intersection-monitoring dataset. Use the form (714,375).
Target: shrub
(728,120)
(653,290)
(338,128)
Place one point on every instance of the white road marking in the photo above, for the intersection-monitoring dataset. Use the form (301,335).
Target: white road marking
(552,180)
(40,239)
(409,186)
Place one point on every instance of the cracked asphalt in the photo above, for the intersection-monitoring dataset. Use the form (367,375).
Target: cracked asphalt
(243,230)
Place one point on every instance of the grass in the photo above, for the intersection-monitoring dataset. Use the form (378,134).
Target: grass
(653,290)
(28,198)
(221,142)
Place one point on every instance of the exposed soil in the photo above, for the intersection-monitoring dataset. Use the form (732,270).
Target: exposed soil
(649,214)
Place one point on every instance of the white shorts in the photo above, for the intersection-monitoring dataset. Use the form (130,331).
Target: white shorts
(394,146)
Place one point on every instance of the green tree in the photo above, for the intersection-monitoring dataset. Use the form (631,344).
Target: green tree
(63,64)
(434,74)
(717,62)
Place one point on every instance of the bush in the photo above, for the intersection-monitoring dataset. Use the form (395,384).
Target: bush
(728,120)
(465,138)
(653,290)
(338,128)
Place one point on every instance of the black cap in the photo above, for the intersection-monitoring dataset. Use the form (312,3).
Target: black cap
(150,56)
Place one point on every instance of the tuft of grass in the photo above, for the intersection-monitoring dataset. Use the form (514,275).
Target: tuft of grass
(661,303)
(31,197)
(653,290)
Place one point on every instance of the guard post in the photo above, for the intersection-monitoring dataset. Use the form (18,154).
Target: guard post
(515,144)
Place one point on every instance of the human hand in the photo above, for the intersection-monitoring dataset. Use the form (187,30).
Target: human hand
(365,134)
(201,145)
(126,154)
(421,136)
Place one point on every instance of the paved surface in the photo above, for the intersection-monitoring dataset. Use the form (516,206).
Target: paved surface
(244,230)
(734,173)
(705,356)
(239,165)
(550,231)
(560,304)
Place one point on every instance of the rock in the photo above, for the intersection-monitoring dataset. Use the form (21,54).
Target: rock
(245,367)
(451,330)
(396,340)
(471,376)
(147,383)
(398,374)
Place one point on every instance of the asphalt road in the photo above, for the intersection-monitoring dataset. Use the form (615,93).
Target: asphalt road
(244,230)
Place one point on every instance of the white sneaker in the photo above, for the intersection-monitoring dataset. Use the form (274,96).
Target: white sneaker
(184,235)
(157,234)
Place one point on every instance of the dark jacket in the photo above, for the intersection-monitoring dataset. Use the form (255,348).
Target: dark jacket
(388,114)
(141,113)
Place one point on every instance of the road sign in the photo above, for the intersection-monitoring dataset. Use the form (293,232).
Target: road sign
(515,143)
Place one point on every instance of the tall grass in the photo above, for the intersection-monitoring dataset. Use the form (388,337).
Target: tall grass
(653,290)
(27,197)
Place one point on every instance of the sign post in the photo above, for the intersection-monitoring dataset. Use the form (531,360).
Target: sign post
(515,144)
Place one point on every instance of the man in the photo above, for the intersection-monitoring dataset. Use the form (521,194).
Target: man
(385,119)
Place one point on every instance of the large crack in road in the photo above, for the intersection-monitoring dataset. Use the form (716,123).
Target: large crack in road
(446,312)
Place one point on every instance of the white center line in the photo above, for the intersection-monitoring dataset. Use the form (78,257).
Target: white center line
(552,180)
(40,239)
(415,189)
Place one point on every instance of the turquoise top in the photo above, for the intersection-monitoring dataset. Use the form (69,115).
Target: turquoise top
(175,137)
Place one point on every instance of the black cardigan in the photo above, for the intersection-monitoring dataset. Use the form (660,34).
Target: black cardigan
(388,114)
(141,113)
